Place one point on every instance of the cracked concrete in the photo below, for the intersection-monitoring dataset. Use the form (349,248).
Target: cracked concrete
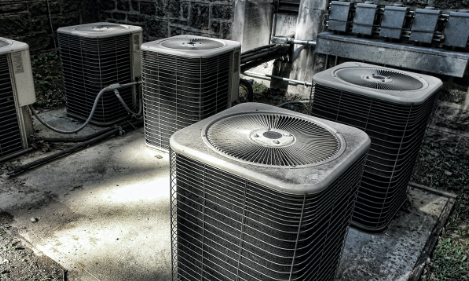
(103,214)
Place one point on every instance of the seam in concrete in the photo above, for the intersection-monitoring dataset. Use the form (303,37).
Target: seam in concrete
(431,242)
(78,266)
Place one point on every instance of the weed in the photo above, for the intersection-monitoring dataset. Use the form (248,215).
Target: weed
(48,81)
(443,167)
(275,97)
(2,231)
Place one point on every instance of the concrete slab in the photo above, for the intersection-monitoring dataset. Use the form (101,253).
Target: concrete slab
(393,253)
(103,213)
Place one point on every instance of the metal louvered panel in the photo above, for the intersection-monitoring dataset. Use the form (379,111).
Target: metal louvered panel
(90,64)
(225,227)
(11,139)
(179,91)
(396,132)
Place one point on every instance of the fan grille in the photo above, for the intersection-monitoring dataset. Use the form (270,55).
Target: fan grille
(101,27)
(273,139)
(191,44)
(379,78)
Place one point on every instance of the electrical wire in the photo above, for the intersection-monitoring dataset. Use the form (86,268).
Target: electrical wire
(116,92)
(51,27)
(96,101)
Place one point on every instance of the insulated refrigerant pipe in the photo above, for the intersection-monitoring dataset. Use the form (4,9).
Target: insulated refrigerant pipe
(72,149)
(108,88)
(268,77)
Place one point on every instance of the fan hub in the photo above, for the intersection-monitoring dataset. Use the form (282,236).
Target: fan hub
(380,78)
(272,138)
(377,78)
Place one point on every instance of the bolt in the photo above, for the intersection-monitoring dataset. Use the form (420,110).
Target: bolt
(256,135)
(276,141)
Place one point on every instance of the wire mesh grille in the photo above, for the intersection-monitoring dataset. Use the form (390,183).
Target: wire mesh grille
(193,44)
(273,139)
(178,92)
(11,139)
(396,132)
(89,65)
(100,27)
(224,227)
(379,78)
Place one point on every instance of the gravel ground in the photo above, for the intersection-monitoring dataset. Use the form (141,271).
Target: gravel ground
(19,262)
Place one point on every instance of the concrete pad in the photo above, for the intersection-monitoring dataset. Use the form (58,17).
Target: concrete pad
(58,118)
(103,214)
(392,253)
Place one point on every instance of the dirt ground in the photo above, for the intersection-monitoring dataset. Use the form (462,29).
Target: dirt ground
(19,262)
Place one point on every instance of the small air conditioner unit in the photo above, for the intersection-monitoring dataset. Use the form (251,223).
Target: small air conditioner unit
(262,193)
(95,56)
(186,78)
(392,107)
(16,93)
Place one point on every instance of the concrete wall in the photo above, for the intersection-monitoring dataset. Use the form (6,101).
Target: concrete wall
(252,23)
(28,20)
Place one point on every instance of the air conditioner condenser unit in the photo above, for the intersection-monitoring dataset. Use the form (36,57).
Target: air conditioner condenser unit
(392,107)
(186,78)
(16,93)
(262,193)
(95,56)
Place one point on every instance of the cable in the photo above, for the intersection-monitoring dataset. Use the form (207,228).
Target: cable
(51,27)
(108,88)
(116,92)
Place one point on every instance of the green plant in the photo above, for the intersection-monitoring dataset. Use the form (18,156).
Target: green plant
(48,81)
(442,166)
(450,260)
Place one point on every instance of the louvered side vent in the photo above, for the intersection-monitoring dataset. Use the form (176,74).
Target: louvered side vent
(11,139)
(95,56)
(186,79)
(180,91)
(230,228)
(396,130)
(236,218)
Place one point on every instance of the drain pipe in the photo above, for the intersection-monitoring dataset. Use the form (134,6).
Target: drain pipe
(270,77)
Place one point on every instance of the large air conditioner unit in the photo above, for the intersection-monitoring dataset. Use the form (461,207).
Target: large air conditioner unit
(186,78)
(95,56)
(16,93)
(392,107)
(262,193)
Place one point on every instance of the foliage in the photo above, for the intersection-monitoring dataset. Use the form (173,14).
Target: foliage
(48,81)
(270,96)
(443,167)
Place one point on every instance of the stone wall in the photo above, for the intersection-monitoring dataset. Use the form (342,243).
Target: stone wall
(28,20)
(165,18)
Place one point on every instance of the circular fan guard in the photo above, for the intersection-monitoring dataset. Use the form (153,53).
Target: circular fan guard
(273,139)
(191,43)
(380,78)
(101,27)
